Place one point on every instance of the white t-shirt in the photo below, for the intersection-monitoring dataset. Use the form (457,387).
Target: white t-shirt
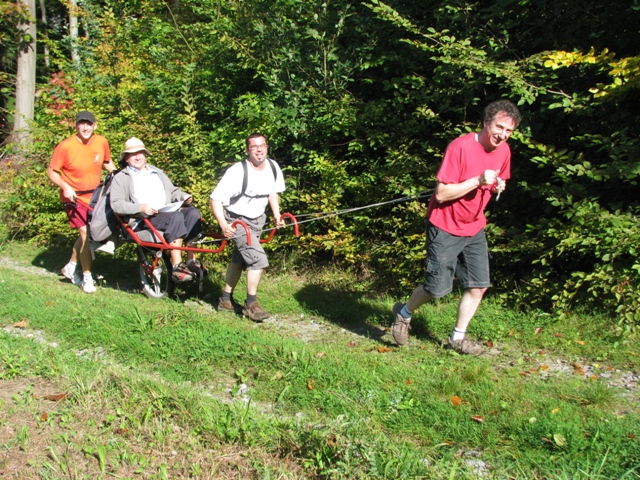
(260,184)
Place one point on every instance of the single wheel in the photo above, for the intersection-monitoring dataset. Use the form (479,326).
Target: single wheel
(155,273)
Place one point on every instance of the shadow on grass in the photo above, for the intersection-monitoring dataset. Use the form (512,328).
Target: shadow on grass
(118,272)
(355,312)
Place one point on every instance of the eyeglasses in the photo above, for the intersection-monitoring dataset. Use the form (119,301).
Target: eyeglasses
(262,146)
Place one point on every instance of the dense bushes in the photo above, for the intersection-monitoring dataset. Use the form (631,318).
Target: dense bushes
(359,102)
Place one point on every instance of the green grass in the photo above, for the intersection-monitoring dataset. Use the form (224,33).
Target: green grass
(327,393)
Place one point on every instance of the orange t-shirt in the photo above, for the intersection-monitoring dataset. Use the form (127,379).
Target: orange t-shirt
(80,165)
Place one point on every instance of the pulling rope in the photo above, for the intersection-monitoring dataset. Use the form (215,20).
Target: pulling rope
(335,213)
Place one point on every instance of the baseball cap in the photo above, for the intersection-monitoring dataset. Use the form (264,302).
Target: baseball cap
(85,116)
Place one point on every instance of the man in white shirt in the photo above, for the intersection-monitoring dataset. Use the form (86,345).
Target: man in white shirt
(243,193)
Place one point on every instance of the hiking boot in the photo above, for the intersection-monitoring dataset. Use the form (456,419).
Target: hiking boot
(465,346)
(196,267)
(74,275)
(228,305)
(180,273)
(400,327)
(255,312)
(88,286)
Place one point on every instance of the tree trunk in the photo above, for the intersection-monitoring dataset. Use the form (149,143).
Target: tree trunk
(73,30)
(43,17)
(25,76)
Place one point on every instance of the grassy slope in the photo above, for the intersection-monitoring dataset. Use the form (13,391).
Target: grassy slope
(174,388)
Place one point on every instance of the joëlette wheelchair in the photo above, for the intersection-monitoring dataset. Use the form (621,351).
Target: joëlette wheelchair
(154,258)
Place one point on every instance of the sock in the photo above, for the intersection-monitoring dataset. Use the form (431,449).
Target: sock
(457,334)
(226,296)
(405,312)
(251,299)
(72,265)
(88,277)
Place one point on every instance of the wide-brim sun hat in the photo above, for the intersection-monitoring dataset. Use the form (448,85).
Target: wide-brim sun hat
(133,145)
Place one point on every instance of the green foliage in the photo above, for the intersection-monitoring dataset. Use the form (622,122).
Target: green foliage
(358,101)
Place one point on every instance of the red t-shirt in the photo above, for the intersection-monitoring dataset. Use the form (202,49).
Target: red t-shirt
(466,158)
(80,165)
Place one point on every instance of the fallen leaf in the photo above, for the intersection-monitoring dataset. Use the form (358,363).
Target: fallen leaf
(489,344)
(50,304)
(523,374)
(594,377)
(21,324)
(44,417)
(555,410)
(408,382)
(577,369)
(580,342)
(122,431)
(56,397)
(384,349)
(632,436)
(538,330)
(294,334)
(320,354)
(310,384)
(608,369)
(533,370)
(544,367)
(557,334)
(456,401)
(477,418)
(352,344)
(559,440)
(541,352)
(511,332)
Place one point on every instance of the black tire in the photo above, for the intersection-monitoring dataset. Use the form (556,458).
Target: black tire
(156,284)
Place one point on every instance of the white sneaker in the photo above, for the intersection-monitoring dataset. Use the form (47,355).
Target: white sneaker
(88,286)
(75,276)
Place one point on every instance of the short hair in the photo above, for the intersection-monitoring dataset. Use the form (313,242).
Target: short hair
(255,135)
(505,106)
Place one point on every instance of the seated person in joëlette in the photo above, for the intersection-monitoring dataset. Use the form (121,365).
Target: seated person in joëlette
(141,190)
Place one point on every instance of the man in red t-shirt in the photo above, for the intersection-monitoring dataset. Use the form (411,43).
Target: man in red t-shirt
(76,167)
(474,167)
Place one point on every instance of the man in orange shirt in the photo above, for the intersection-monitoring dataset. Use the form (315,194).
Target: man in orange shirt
(76,167)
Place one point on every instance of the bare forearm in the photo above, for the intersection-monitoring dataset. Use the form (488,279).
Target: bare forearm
(274,203)
(448,192)
(453,191)
(218,211)
(57,180)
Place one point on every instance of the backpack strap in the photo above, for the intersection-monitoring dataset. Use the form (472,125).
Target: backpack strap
(245,179)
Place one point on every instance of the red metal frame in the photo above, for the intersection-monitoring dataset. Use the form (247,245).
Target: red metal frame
(163,245)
